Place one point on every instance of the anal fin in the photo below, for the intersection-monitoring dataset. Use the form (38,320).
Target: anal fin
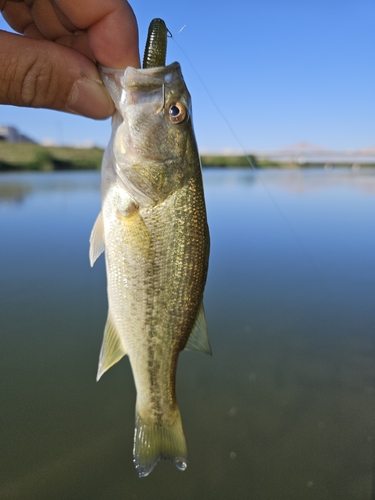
(112,348)
(198,340)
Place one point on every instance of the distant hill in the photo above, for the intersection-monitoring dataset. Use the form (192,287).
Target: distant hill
(11,134)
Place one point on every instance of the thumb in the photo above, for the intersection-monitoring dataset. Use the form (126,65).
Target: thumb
(43,74)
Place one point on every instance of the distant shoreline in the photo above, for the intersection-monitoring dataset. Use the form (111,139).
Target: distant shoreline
(17,157)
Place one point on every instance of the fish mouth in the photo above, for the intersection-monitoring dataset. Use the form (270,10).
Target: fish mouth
(135,156)
(158,159)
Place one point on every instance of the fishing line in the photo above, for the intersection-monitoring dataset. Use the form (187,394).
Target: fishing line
(249,160)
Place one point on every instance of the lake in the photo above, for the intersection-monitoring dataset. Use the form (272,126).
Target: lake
(285,407)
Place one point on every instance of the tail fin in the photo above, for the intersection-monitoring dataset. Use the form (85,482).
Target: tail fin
(153,442)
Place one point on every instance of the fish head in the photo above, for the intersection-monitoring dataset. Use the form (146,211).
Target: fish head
(152,130)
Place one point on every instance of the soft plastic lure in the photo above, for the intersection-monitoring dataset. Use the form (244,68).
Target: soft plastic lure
(156,45)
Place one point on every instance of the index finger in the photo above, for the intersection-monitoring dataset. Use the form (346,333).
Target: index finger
(111,28)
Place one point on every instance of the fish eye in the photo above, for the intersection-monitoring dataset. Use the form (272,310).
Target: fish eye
(177,112)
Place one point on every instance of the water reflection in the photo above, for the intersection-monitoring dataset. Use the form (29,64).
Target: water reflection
(285,407)
(13,193)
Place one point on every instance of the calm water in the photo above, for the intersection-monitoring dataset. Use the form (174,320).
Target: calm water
(285,409)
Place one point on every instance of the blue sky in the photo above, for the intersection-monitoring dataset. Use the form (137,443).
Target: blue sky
(280,71)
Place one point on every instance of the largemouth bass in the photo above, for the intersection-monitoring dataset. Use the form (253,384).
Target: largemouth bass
(153,228)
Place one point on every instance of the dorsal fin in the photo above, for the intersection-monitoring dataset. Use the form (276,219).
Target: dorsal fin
(112,348)
(198,340)
(96,239)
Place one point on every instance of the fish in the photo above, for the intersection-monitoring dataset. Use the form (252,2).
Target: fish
(153,230)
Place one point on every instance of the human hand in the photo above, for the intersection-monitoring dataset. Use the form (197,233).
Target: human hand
(54,64)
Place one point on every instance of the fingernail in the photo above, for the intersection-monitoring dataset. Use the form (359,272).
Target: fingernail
(90,98)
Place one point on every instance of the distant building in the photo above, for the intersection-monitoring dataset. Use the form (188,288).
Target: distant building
(11,134)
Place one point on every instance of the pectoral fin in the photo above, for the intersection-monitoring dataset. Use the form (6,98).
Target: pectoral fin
(198,340)
(112,349)
(96,239)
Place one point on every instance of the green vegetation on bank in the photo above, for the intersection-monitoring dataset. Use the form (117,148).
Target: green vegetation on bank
(25,156)
(243,161)
(227,161)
